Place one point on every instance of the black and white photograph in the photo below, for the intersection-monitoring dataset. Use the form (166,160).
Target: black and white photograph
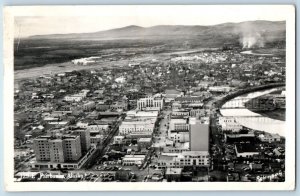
(149,97)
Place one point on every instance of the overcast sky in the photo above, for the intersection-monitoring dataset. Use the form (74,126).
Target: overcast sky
(59,20)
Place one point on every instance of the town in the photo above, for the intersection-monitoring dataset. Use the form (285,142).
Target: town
(158,119)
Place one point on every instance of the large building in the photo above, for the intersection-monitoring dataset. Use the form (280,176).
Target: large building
(178,131)
(133,126)
(150,103)
(199,136)
(57,150)
(229,124)
(186,158)
(85,139)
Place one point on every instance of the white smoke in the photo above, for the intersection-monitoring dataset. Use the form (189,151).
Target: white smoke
(250,36)
(250,40)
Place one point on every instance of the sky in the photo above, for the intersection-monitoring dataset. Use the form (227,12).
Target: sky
(77,19)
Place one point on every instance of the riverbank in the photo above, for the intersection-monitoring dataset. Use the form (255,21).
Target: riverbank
(278,114)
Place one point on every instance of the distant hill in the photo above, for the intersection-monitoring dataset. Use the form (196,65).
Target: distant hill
(264,29)
(40,50)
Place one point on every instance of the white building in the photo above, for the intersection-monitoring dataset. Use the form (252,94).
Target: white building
(150,103)
(119,139)
(267,137)
(178,124)
(229,124)
(73,98)
(128,127)
(186,158)
(76,97)
(141,114)
(133,159)
(97,128)
(220,89)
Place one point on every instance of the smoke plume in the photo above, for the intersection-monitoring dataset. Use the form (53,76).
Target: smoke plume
(251,37)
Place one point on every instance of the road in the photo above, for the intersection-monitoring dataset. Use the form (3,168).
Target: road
(102,148)
(160,139)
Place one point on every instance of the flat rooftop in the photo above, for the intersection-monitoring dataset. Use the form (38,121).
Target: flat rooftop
(241,148)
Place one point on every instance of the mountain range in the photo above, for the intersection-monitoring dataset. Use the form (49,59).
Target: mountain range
(269,30)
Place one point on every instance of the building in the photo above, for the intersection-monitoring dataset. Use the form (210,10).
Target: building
(180,112)
(119,139)
(150,103)
(76,97)
(141,114)
(96,139)
(102,128)
(85,139)
(197,112)
(229,124)
(133,159)
(128,126)
(41,148)
(245,150)
(176,147)
(239,138)
(89,106)
(186,158)
(72,148)
(180,136)
(189,99)
(144,143)
(137,135)
(178,131)
(171,94)
(267,137)
(220,89)
(57,150)
(120,105)
(176,105)
(173,174)
(199,136)
(178,124)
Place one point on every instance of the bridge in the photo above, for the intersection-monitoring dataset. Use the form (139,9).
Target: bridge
(252,103)
(237,103)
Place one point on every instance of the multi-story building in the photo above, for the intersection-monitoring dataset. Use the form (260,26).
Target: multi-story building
(178,124)
(128,127)
(57,150)
(229,124)
(41,148)
(72,148)
(186,158)
(85,139)
(199,136)
(133,159)
(267,137)
(178,131)
(98,128)
(245,150)
(150,103)
(144,143)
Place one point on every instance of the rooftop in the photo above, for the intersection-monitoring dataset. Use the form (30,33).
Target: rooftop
(173,171)
(241,148)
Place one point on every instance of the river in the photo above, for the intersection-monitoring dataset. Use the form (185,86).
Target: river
(251,119)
